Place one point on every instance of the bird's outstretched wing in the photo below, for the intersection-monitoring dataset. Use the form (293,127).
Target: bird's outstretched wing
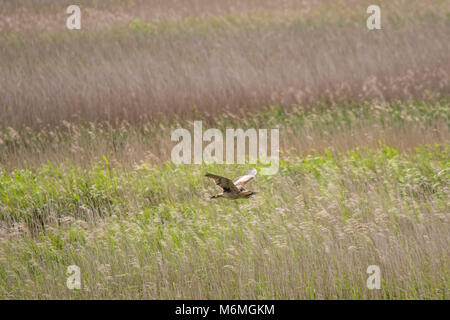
(226,184)
(241,181)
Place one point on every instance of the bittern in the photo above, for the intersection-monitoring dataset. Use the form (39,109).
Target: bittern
(233,190)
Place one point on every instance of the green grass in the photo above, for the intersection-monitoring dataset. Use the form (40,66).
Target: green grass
(153,233)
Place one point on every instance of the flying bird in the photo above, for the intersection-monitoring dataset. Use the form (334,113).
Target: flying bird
(233,190)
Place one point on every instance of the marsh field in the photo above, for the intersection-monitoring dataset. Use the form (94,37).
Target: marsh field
(86,176)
